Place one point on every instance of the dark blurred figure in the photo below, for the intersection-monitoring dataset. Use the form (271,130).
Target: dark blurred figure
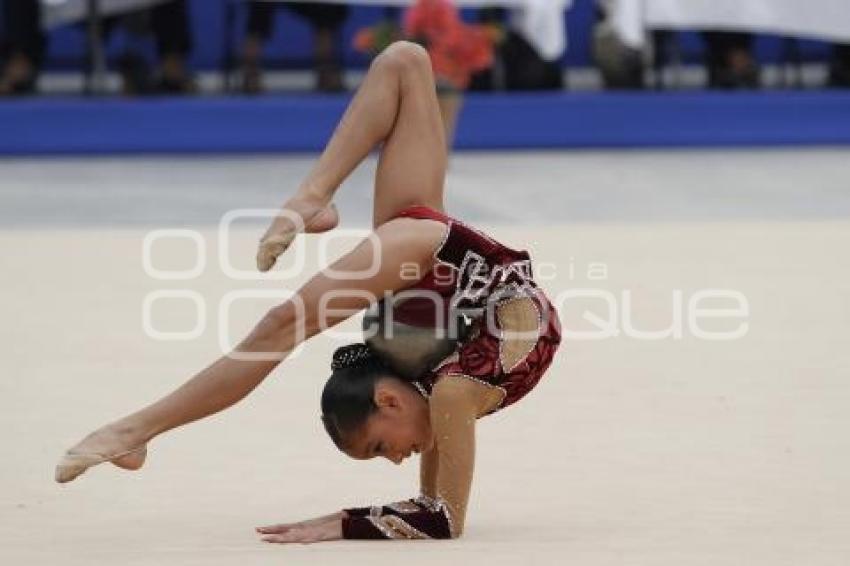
(730,61)
(325,19)
(170,26)
(25,45)
(518,65)
(621,66)
(169,23)
(839,67)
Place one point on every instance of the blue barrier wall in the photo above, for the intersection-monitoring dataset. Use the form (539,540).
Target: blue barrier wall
(42,126)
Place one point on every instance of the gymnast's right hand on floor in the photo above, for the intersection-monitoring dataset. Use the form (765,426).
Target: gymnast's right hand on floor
(302,213)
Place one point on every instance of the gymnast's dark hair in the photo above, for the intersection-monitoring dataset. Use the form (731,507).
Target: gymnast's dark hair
(348,397)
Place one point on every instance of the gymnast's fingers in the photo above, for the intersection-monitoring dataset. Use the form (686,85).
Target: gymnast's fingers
(276,529)
(290,536)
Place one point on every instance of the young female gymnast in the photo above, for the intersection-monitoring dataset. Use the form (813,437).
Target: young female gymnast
(387,397)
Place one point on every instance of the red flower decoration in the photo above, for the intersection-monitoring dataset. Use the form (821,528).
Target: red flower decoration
(364,40)
(457,50)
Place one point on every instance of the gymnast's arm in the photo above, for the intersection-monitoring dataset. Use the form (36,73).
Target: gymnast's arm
(456,403)
(429,465)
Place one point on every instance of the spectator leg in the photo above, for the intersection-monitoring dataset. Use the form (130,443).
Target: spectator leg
(173,35)
(730,60)
(259,29)
(839,71)
(326,20)
(26,46)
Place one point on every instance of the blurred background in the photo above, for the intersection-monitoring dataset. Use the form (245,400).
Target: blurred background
(214,50)
(682,145)
(196,46)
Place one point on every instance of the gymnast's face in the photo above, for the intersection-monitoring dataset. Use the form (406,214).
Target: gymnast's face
(399,427)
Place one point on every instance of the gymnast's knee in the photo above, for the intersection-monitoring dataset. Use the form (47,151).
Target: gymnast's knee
(404,57)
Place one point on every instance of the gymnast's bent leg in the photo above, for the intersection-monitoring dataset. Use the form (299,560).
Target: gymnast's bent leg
(395,106)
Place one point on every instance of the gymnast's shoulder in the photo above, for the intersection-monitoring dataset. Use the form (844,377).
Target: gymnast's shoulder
(461,393)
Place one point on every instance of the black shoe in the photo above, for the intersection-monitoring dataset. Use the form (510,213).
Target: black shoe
(726,78)
(22,87)
(329,78)
(135,75)
(839,75)
(175,86)
(252,81)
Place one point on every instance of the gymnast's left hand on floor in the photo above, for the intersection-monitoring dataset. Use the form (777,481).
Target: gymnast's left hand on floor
(320,529)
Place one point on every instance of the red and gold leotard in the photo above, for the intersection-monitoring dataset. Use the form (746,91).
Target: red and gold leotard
(515,333)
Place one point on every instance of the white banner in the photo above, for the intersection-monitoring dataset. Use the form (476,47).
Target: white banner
(820,19)
(60,12)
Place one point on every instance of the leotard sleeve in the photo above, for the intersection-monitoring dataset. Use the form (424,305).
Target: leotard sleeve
(455,404)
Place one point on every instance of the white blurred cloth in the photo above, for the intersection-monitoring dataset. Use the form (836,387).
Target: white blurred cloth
(60,12)
(821,19)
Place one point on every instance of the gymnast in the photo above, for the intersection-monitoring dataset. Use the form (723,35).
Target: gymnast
(466,335)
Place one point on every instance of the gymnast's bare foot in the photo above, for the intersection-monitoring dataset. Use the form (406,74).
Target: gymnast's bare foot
(303,212)
(114,443)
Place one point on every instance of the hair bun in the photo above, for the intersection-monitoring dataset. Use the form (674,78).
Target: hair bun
(351,356)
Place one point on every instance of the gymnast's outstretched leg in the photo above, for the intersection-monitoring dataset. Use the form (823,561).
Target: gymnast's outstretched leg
(396,105)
